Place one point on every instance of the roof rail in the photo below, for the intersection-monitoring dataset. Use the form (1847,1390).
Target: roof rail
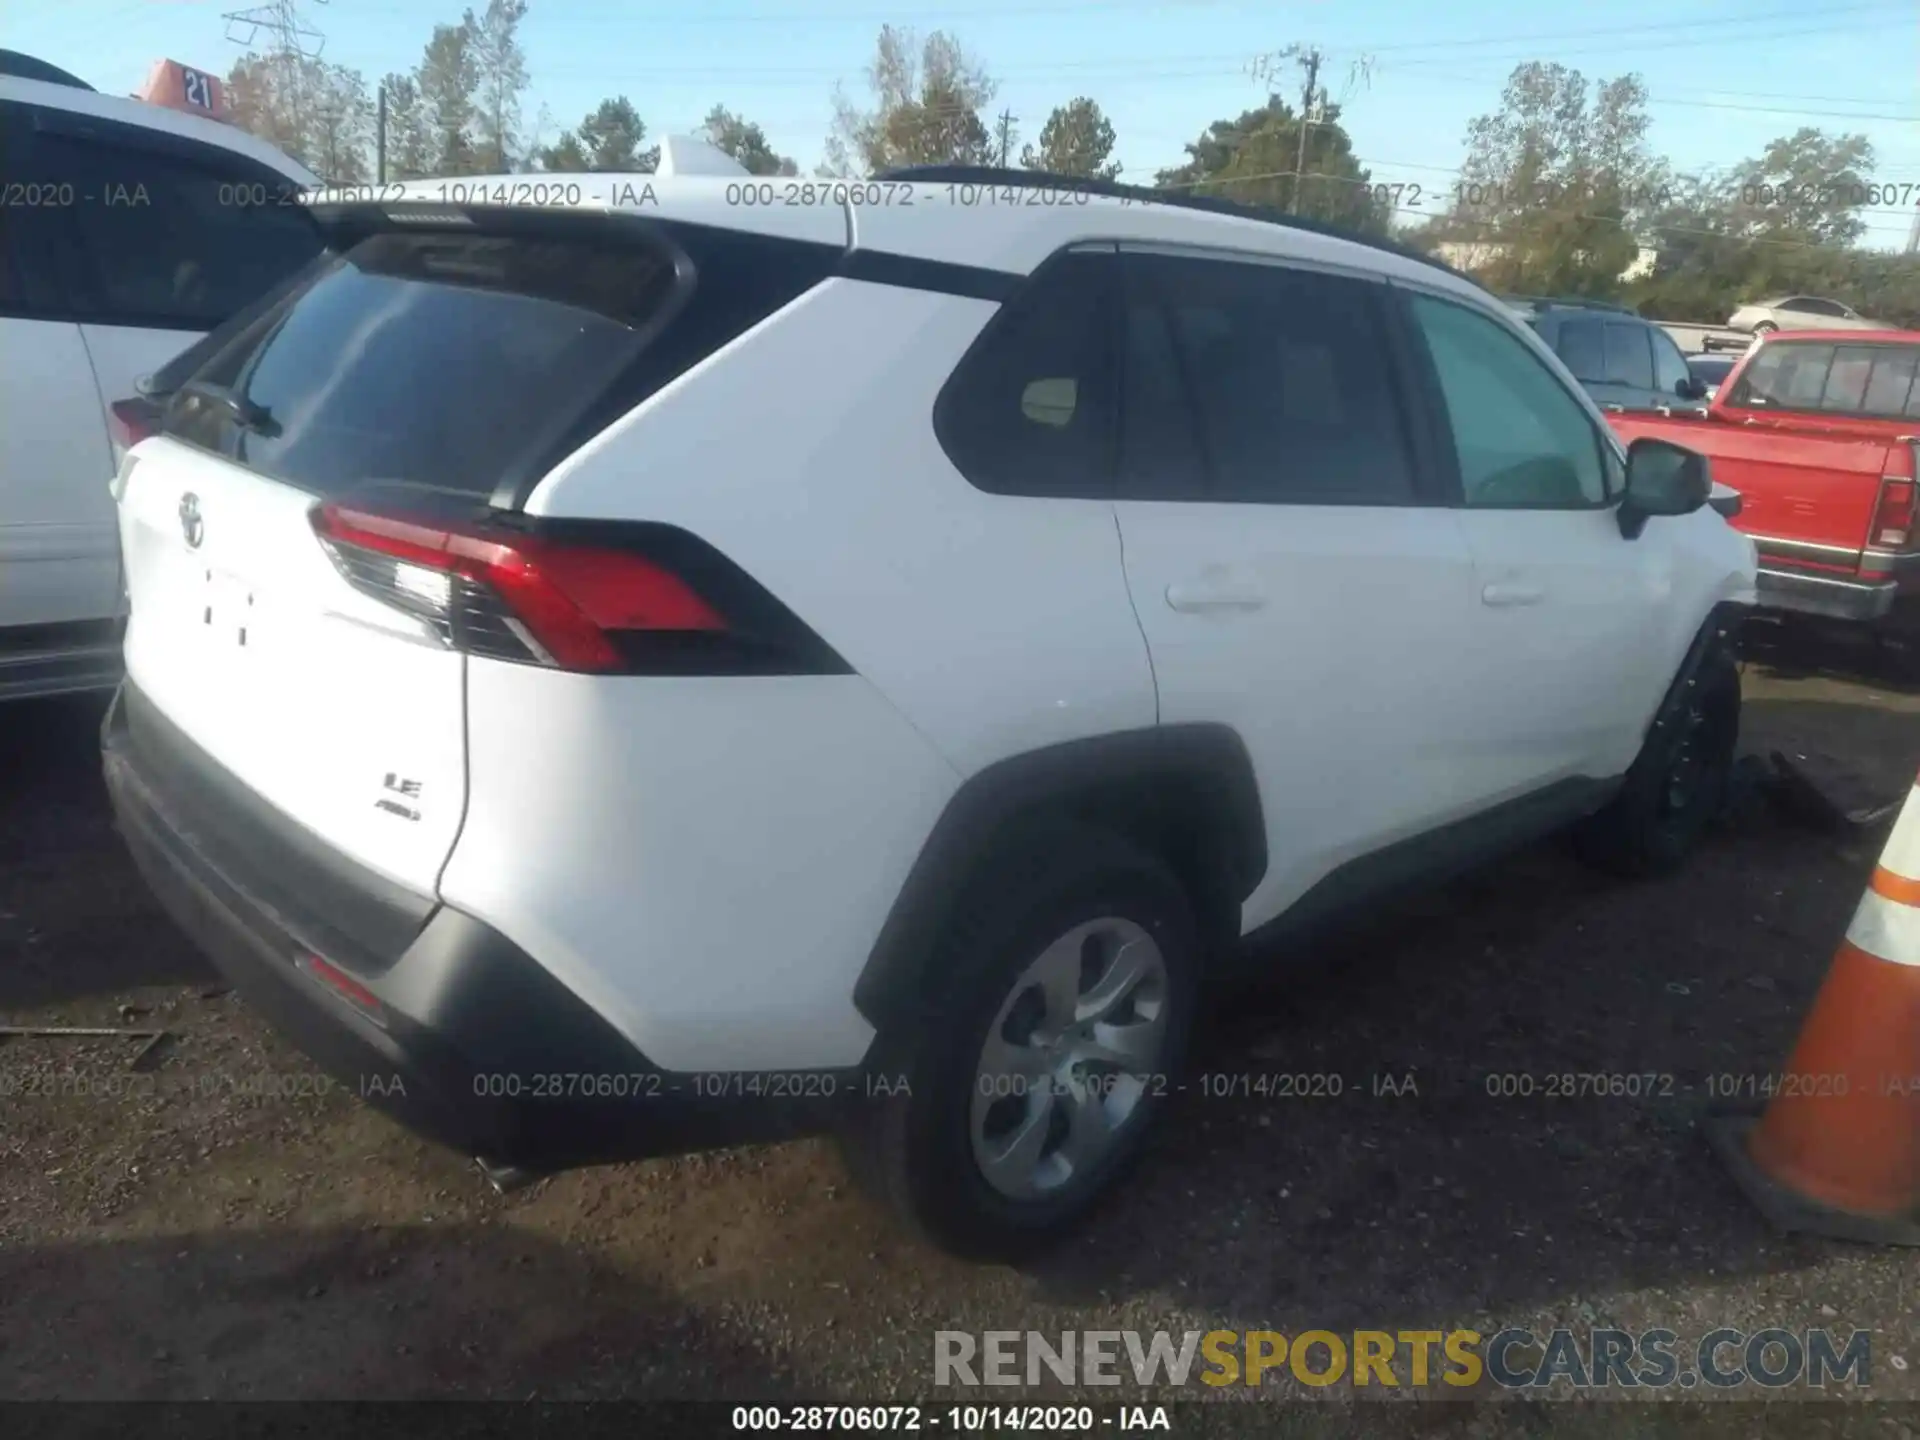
(1146,195)
(26,67)
(1570,302)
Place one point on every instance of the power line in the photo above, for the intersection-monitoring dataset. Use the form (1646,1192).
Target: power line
(1123,71)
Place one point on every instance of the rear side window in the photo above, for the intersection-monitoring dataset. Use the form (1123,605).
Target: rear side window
(1878,380)
(166,240)
(471,362)
(1288,374)
(1029,411)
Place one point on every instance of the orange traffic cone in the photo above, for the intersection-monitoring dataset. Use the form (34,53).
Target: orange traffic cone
(1837,1151)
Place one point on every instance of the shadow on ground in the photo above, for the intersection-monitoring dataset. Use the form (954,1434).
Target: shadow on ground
(1390,1206)
(1790,648)
(75,918)
(460,1311)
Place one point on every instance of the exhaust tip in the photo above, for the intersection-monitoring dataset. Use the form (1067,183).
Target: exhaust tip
(505,1179)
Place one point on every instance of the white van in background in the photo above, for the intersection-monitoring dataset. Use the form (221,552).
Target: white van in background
(127,231)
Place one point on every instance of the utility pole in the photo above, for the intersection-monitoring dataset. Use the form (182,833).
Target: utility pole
(294,44)
(380,138)
(1913,236)
(1007,119)
(1310,61)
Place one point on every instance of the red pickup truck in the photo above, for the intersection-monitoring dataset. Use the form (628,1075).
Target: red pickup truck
(1819,431)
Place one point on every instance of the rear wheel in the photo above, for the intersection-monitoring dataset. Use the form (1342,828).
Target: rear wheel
(1765,327)
(1030,1086)
(1678,783)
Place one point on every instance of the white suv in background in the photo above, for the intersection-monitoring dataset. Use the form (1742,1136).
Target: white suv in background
(127,230)
(650,670)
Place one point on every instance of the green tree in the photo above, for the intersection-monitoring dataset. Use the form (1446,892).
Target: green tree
(745,142)
(340,125)
(320,114)
(609,139)
(410,150)
(1077,139)
(1559,182)
(1806,186)
(500,76)
(1252,160)
(927,104)
(448,78)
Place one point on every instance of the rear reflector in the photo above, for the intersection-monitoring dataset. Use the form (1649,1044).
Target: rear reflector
(346,987)
(492,591)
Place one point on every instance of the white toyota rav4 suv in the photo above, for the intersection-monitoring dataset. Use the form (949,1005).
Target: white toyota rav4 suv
(639,663)
(126,230)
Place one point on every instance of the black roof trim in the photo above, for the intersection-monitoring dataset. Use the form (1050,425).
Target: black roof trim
(26,67)
(1146,195)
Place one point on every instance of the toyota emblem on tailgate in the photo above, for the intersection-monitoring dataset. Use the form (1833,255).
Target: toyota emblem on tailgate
(191,525)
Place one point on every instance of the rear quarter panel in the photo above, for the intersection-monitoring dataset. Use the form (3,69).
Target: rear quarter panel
(709,861)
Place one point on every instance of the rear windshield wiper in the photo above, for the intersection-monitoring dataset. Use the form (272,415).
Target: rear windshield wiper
(244,413)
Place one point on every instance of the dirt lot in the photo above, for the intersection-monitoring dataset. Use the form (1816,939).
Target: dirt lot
(227,1227)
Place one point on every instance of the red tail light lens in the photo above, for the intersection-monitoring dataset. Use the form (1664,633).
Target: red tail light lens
(132,421)
(1893,525)
(491,591)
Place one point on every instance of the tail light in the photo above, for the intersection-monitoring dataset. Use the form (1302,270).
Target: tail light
(131,421)
(1893,520)
(596,606)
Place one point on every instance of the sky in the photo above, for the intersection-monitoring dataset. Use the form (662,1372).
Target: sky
(1724,77)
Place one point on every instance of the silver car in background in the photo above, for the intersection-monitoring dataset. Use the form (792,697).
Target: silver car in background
(1801,312)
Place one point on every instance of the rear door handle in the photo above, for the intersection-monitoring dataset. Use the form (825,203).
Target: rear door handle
(1507,595)
(1215,595)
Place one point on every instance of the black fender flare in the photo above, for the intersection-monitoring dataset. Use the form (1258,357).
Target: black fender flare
(1199,776)
(1722,624)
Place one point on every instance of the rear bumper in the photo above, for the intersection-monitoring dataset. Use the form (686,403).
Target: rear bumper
(1836,597)
(453,1029)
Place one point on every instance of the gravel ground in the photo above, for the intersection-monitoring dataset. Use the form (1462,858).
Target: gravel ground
(228,1225)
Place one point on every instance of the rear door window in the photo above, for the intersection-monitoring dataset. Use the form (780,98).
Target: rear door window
(168,235)
(470,362)
(1290,379)
(1629,360)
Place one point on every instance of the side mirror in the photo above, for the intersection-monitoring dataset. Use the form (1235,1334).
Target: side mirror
(1662,479)
(1690,388)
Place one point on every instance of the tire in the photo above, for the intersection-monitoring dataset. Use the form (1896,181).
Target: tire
(1765,327)
(1678,783)
(924,1149)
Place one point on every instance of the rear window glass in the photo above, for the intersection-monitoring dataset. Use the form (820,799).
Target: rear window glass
(465,361)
